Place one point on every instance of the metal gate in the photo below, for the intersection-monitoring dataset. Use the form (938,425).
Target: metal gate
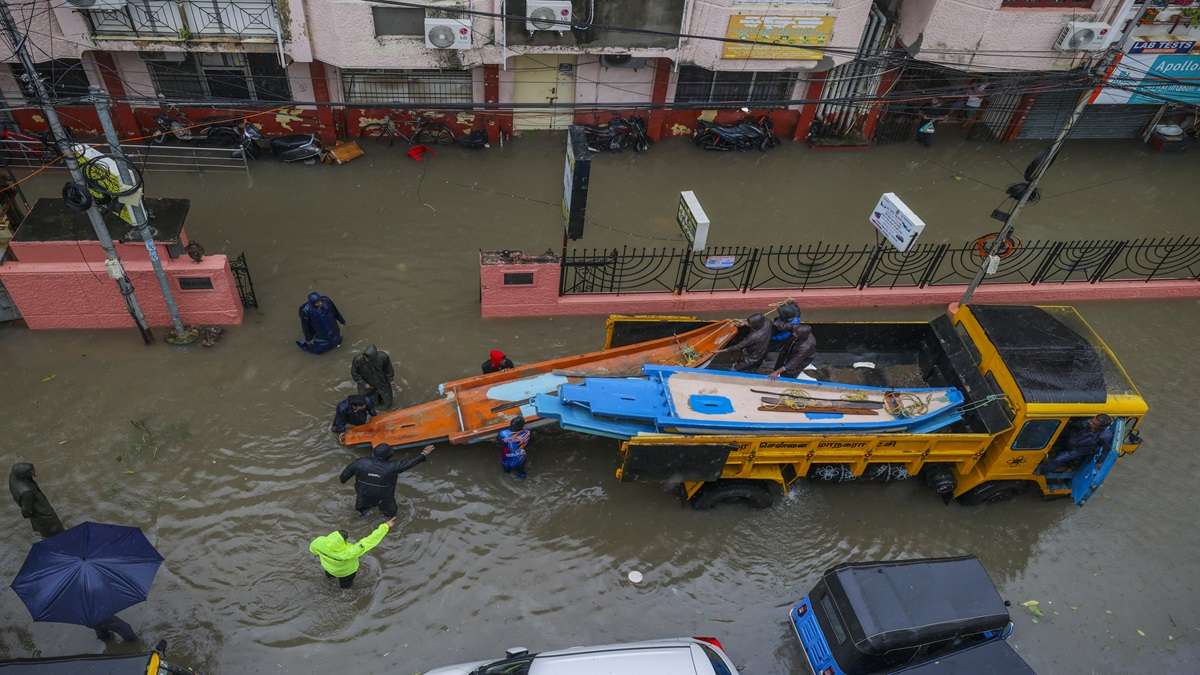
(1050,112)
(837,114)
(245,284)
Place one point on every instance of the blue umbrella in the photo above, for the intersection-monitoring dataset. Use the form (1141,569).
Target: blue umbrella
(87,573)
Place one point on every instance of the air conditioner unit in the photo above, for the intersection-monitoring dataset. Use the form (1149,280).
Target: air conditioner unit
(622,61)
(1082,36)
(552,15)
(441,33)
(99,5)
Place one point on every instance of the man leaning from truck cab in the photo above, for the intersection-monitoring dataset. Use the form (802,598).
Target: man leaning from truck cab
(1084,439)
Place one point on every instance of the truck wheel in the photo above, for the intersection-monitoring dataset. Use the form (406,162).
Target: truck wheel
(992,492)
(754,493)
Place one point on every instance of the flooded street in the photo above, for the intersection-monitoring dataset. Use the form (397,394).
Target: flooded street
(230,468)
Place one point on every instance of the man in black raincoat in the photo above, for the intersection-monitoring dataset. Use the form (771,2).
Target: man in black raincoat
(319,319)
(797,352)
(351,412)
(373,373)
(375,478)
(753,345)
(32,500)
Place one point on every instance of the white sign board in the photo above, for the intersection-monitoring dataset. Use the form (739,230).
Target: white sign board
(896,222)
(693,220)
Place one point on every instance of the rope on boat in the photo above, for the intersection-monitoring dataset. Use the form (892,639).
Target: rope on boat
(982,403)
(902,404)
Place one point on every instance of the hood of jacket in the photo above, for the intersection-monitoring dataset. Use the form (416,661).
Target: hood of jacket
(334,546)
(382,452)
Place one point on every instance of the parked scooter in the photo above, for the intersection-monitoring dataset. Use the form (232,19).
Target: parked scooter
(173,126)
(746,134)
(619,134)
(289,148)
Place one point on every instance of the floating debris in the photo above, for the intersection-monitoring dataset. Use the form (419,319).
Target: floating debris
(1032,606)
(49,377)
(635,577)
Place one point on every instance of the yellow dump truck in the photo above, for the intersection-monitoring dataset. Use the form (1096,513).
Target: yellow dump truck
(1032,377)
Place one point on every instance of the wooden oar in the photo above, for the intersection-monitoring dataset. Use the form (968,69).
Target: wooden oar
(861,405)
(817,409)
(776,392)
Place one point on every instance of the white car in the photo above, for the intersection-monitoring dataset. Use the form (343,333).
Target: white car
(673,656)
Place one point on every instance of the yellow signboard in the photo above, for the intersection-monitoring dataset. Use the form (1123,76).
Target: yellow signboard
(781,37)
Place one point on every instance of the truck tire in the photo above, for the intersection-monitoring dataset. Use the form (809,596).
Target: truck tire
(756,494)
(992,492)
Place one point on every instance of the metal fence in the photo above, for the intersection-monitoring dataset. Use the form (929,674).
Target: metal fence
(821,265)
(245,283)
(147,157)
(183,19)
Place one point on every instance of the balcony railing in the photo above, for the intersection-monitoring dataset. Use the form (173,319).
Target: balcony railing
(187,19)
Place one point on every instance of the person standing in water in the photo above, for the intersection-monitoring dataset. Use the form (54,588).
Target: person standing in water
(319,319)
(513,441)
(373,373)
(496,362)
(35,507)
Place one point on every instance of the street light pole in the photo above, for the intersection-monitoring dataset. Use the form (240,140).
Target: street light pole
(112,263)
(137,213)
(1044,165)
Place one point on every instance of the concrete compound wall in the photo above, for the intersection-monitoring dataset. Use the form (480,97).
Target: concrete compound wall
(540,298)
(79,295)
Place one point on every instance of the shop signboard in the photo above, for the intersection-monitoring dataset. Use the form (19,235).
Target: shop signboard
(1154,79)
(785,35)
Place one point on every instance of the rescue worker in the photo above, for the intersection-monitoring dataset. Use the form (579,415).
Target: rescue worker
(352,411)
(319,319)
(1084,439)
(114,624)
(34,505)
(797,352)
(339,557)
(373,373)
(375,478)
(513,441)
(496,362)
(753,345)
(788,315)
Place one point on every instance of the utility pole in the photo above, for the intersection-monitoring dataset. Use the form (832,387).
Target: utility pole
(137,215)
(1044,165)
(112,264)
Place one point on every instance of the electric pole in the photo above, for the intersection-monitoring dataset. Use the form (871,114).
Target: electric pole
(1044,165)
(137,214)
(112,263)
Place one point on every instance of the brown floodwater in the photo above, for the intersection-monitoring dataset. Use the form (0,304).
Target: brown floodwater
(231,469)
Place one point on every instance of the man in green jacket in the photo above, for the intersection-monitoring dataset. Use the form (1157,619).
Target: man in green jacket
(339,558)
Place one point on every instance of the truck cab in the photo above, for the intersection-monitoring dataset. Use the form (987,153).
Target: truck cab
(912,616)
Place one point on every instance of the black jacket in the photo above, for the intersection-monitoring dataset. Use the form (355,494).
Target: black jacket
(798,352)
(346,416)
(377,471)
(754,344)
(487,366)
(27,494)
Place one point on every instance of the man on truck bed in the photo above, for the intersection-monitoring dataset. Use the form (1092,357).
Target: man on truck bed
(754,345)
(1084,439)
(797,353)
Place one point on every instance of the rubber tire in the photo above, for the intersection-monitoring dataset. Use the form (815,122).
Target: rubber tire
(435,134)
(756,494)
(992,492)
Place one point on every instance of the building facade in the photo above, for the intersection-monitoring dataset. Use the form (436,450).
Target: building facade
(334,66)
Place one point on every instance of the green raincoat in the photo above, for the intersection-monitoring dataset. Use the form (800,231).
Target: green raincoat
(339,557)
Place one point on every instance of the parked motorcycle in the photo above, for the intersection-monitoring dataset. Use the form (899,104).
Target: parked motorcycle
(746,134)
(174,126)
(619,134)
(289,148)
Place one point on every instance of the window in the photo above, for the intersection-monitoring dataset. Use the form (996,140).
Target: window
(1047,3)
(717,662)
(243,77)
(195,283)
(398,21)
(697,85)
(1035,435)
(64,78)
(830,615)
(365,86)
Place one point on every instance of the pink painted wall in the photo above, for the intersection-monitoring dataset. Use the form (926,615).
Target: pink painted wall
(983,25)
(77,295)
(84,251)
(541,299)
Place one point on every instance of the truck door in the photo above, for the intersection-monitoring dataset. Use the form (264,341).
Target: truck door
(1091,473)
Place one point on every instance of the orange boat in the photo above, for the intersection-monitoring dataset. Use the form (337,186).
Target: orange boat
(476,408)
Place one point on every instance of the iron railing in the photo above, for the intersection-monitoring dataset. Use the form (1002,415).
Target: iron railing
(187,19)
(245,283)
(823,265)
(371,86)
(42,155)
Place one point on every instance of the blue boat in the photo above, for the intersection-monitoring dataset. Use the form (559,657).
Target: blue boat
(695,401)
